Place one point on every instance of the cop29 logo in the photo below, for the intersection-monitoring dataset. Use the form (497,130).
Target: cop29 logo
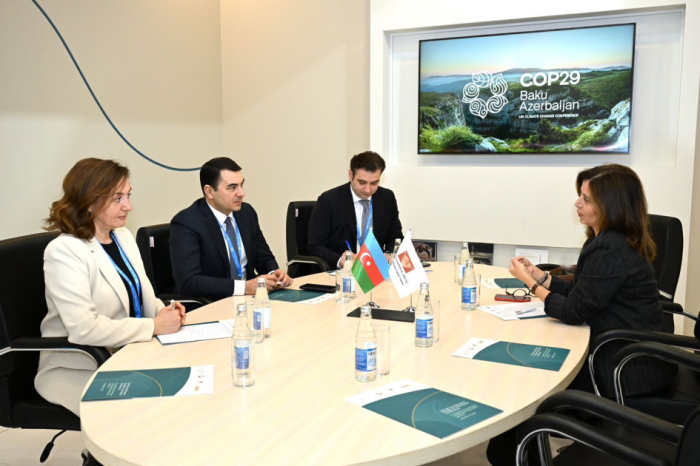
(480,107)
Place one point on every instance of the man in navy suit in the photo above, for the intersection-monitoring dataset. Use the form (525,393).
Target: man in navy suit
(344,215)
(216,246)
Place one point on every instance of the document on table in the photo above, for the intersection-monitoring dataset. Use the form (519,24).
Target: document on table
(199,332)
(516,354)
(424,408)
(516,311)
(150,383)
(300,296)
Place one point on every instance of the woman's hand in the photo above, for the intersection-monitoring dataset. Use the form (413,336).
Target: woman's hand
(169,320)
(519,270)
(533,270)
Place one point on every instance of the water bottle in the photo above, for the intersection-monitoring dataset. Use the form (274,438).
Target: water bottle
(348,279)
(469,287)
(242,361)
(262,312)
(365,348)
(464,256)
(424,318)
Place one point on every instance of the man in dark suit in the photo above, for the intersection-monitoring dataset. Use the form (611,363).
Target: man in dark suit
(216,246)
(344,215)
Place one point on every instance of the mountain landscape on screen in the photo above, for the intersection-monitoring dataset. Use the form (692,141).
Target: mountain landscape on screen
(471,101)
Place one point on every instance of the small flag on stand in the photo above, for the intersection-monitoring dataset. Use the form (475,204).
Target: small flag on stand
(406,271)
(370,268)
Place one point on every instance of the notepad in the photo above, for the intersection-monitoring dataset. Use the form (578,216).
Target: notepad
(199,332)
(516,311)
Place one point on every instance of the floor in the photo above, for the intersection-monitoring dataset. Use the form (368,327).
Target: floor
(23,448)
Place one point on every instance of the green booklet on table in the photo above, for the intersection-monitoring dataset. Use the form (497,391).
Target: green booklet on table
(517,354)
(149,383)
(424,408)
(300,296)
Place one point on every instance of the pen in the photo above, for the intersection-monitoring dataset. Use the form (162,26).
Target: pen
(526,311)
(172,304)
(348,244)
(279,283)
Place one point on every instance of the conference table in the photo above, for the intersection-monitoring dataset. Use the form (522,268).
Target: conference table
(297,413)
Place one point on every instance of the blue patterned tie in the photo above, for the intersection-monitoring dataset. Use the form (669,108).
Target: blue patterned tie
(231,232)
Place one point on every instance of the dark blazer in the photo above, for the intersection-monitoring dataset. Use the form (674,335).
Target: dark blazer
(333,222)
(614,286)
(199,256)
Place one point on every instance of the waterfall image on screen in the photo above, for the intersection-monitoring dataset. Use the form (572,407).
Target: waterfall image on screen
(561,91)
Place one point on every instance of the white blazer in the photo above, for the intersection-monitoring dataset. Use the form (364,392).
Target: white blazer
(88,303)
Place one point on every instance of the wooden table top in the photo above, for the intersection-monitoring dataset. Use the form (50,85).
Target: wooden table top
(296,412)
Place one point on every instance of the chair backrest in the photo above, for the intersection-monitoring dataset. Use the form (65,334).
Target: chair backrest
(22,308)
(298,216)
(154,244)
(689,448)
(667,233)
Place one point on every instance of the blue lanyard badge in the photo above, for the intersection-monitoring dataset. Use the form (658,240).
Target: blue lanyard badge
(135,290)
(361,239)
(236,261)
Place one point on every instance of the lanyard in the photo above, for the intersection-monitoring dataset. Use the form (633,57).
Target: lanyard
(135,290)
(236,262)
(361,239)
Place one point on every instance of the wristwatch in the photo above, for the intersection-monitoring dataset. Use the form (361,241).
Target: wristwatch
(543,279)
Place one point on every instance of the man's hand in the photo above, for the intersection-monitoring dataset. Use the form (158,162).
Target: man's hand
(252,284)
(282,277)
(342,258)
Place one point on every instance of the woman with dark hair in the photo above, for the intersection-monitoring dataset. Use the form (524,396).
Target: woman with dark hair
(614,285)
(97,292)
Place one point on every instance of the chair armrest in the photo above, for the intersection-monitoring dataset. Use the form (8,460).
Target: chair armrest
(681,341)
(97,353)
(650,349)
(585,433)
(675,308)
(320,261)
(166,297)
(609,410)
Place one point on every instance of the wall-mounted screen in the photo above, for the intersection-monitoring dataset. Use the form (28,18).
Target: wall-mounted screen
(562,91)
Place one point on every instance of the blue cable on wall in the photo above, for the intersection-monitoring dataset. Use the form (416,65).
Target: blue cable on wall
(100,105)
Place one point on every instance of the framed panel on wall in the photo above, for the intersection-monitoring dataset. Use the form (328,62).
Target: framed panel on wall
(547,91)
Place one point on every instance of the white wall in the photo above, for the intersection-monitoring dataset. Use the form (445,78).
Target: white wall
(527,202)
(156,68)
(295,99)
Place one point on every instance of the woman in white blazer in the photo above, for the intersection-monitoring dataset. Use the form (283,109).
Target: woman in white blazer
(97,291)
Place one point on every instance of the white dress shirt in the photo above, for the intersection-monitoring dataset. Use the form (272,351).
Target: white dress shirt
(358,218)
(239,288)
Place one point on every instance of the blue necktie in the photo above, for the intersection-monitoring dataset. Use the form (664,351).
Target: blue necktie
(231,232)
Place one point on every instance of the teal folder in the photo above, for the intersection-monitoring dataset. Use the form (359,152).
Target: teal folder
(294,296)
(124,385)
(539,357)
(433,411)
(509,283)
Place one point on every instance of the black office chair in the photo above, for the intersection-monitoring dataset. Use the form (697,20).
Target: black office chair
(22,308)
(154,244)
(674,403)
(299,262)
(667,233)
(631,437)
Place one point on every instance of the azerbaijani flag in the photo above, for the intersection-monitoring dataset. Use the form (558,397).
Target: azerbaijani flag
(370,269)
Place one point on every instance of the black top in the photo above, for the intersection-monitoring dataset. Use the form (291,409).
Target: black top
(614,287)
(113,251)
(333,222)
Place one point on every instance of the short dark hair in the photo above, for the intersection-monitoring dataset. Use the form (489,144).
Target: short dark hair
(91,183)
(369,161)
(618,197)
(210,174)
